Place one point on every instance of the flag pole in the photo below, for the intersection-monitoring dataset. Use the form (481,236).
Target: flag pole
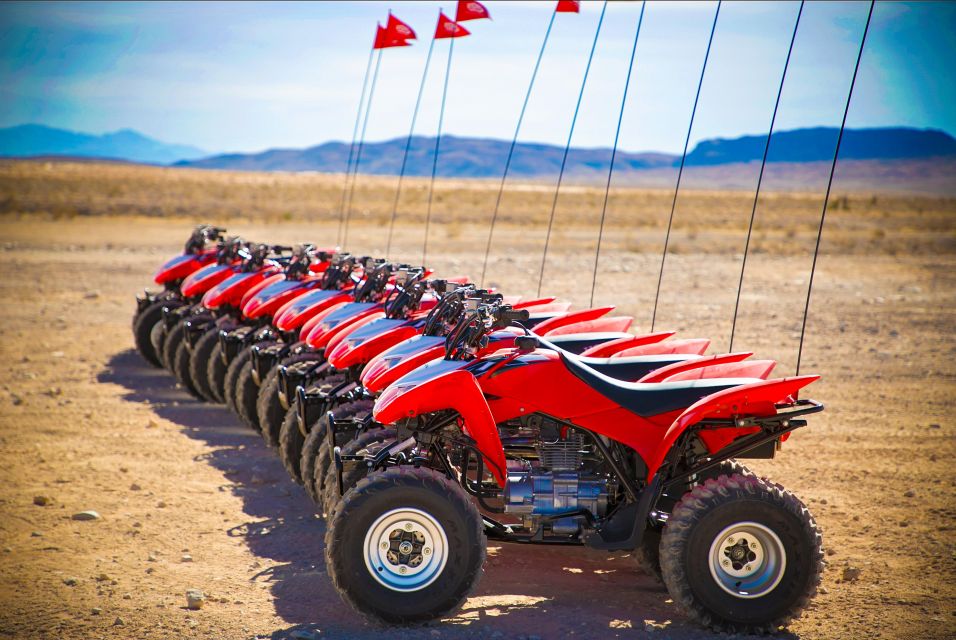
(567,147)
(408,145)
(763,164)
(826,199)
(361,144)
(680,172)
(610,169)
(511,150)
(441,116)
(355,129)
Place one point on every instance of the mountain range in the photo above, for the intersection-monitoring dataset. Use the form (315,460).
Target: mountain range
(33,140)
(878,158)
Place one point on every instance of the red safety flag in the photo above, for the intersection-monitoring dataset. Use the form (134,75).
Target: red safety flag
(471,10)
(399,30)
(568,6)
(383,40)
(448,28)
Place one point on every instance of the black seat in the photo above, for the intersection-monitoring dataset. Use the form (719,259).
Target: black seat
(648,399)
(634,367)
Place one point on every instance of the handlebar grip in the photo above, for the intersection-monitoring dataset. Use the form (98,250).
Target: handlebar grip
(514,315)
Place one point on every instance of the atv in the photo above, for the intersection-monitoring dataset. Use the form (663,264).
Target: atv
(149,306)
(530,444)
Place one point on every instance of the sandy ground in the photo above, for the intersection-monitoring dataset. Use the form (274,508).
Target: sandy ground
(86,424)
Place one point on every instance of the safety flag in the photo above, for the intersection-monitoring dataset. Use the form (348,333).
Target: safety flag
(470,10)
(384,40)
(568,6)
(448,28)
(399,30)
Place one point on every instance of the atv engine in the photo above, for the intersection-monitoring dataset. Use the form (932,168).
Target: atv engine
(558,473)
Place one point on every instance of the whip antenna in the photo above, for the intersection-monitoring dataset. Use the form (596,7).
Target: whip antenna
(511,150)
(441,117)
(680,171)
(610,169)
(567,147)
(408,145)
(358,152)
(826,199)
(763,164)
(348,166)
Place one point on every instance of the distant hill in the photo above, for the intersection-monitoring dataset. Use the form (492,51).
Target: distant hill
(485,158)
(32,140)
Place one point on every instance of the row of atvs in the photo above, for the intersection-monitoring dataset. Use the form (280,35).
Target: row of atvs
(425,415)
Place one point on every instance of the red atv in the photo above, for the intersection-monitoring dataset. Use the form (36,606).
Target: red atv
(376,363)
(532,445)
(149,306)
(244,305)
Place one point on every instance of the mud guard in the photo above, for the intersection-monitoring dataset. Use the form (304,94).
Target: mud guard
(695,346)
(569,318)
(659,375)
(615,323)
(751,400)
(457,390)
(608,349)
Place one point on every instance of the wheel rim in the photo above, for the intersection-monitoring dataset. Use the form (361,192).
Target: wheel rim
(747,560)
(406,549)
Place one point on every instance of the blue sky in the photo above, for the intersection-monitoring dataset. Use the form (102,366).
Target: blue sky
(249,76)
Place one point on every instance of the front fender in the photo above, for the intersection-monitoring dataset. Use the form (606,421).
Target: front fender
(750,400)
(442,385)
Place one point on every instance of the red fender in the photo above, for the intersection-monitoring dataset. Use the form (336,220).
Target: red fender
(230,291)
(538,302)
(266,301)
(347,331)
(617,323)
(751,400)
(391,364)
(607,349)
(296,312)
(759,369)
(569,318)
(658,375)
(178,267)
(441,384)
(695,346)
(346,318)
(362,344)
(201,281)
(547,307)
(314,321)
(253,291)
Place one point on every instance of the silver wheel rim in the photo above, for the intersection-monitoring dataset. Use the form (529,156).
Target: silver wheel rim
(747,560)
(405,549)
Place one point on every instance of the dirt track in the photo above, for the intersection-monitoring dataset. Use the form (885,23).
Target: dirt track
(84,422)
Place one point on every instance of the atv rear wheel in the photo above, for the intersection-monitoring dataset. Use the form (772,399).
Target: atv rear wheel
(313,466)
(199,362)
(232,376)
(740,554)
(142,329)
(216,373)
(405,546)
(353,471)
(648,554)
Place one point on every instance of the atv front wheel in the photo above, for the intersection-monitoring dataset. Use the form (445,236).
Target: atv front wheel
(247,392)
(216,373)
(354,471)
(742,555)
(405,546)
(313,465)
(232,377)
(175,336)
(270,411)
(199,362)
(180,368)
(142,330)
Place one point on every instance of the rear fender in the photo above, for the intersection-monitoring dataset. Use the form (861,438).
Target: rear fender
(616,323)
(759,369)
(750,400)
(608,349)
(569,318)
(537,302)
(457,390)
(694,346)
(677,368)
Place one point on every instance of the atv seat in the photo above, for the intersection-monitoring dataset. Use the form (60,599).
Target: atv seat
(648,399)
(634,367)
